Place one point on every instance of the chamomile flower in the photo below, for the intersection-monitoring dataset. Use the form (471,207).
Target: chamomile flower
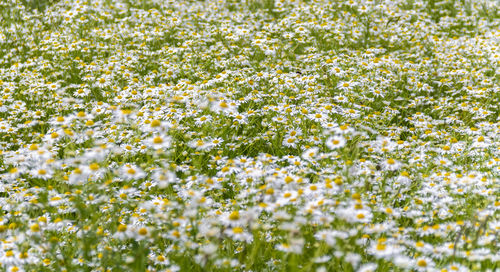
(381,249)
(81,92)
(294,246)
(423,264)
(103,81)
(481,142)
(335,142)
(346,85)
(239,234)
(203,120)
(123,231)
(310,154)
(132,172)
(290,142)
(43,172)
(158,142)
(391,164)
(200,144)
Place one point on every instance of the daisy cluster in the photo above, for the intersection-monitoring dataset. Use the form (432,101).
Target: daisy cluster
(256,135)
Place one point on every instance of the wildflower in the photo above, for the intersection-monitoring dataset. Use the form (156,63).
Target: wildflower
(239,234)
(310,154)
(103,82)
(123,231)
(43,172)
(441,161)
(424,264)
(158,142)
(481,142)
(391,164)
(290,142)
(382,249)
(82,92)
(294,246)
(132,172)
(335,142)
(200,144)
(346,85)
(215,142)
(203,120)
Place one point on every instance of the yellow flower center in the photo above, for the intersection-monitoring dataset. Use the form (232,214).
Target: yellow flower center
(122,228)
(158,140)
(93,167)
(155,123)
(143,231)
(35,228)
(234,215)
(237,230)
(381,247)
(422,263)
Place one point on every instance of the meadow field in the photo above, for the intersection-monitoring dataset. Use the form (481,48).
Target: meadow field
(249,135)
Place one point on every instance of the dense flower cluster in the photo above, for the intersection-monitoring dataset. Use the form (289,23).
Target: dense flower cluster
(254,135)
